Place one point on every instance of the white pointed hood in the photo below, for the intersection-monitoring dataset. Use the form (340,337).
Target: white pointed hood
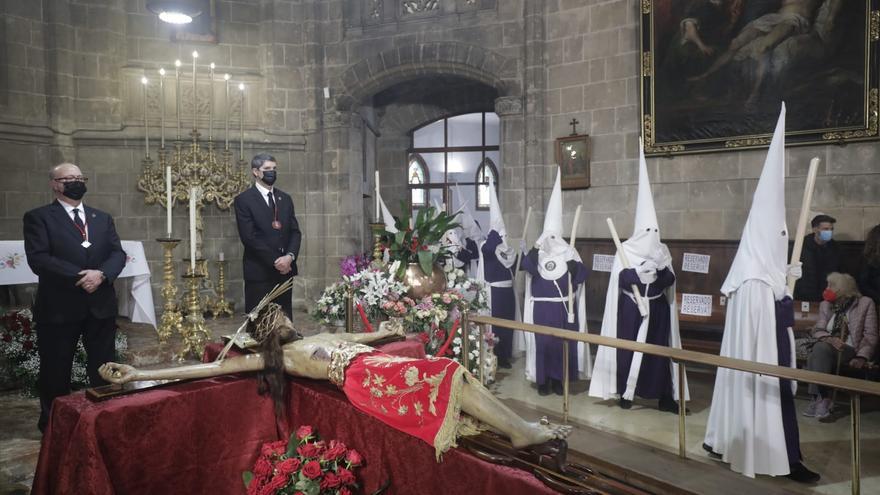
(763,249)
(644,243)
(387,217)
(503,252)
(496,220)
(553,251)
(469,227)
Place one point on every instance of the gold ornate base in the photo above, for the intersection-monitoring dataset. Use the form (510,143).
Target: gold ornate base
(221,306)
(171,318)
(378,229)
(195,335)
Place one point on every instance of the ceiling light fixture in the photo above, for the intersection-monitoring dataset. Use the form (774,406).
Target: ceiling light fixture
(174,11)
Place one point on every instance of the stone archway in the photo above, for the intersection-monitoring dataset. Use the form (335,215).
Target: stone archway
(385,69)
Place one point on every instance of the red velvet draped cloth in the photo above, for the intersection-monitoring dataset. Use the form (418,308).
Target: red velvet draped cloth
(198,437)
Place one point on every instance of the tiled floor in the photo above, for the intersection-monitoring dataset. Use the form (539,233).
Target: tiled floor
(826,447)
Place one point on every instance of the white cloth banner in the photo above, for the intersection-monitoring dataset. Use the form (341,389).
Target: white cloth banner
(138,307)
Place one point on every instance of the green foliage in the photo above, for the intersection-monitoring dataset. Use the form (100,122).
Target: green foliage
(422,243)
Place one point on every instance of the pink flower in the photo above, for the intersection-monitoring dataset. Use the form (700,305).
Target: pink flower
(354,458)
(304,432)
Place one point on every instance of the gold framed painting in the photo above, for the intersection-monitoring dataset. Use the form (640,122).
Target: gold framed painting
(714,73)
(573,158)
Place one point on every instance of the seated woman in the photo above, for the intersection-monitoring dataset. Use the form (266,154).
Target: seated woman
(421,397)
(846,333)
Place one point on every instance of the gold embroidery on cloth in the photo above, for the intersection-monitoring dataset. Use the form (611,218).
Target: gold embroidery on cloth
(341,357)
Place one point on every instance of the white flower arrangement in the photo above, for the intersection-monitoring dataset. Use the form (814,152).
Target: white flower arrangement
(330,307)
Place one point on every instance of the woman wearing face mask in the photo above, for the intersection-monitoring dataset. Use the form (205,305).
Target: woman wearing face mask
(846,333)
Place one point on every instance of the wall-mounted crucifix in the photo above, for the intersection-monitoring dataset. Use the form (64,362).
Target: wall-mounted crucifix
(573,124)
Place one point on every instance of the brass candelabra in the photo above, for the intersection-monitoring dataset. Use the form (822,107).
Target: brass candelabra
(195,335)
(171,317)
(221,306)
(378,229)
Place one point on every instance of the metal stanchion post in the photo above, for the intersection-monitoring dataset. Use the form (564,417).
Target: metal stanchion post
(349,311)
(465,341)
(482,364)
(682,411)
(855,420)
(565,365)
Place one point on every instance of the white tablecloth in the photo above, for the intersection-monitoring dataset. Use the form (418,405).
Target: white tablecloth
(138,306)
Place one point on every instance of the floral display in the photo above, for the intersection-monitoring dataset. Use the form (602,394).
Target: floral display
(304,465)
(375,286)
(21,361)
(330,307)
(353,264)
(420,243)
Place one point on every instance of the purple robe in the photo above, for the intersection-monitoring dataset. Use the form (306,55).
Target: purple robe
(469,252)
(503,298)
(655,378)
(548,350)
(785,319)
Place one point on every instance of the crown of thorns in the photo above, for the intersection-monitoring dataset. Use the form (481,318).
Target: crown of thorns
(267,321)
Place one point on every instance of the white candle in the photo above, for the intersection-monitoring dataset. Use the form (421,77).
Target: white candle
(162,106)
(378,218)
(195,96)
(168,199)
(146,123)
(241,123)
(226,125)
(222,256)
(177,94)
(192,228)
(211,106)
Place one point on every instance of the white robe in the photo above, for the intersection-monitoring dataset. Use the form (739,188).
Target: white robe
(745,419)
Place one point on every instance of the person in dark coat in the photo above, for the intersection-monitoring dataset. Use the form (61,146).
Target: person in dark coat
(270,233)
(820,257)
(869,272)
(76,253)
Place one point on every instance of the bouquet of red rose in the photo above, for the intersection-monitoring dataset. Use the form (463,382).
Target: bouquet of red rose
(303,465)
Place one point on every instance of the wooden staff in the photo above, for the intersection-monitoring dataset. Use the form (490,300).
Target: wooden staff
(802,221)
(640,302)
(574,228)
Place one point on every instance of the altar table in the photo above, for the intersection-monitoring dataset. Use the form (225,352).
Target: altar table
(138,307)
(199,436)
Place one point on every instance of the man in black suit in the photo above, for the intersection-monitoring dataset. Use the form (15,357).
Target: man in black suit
(270,233)
(76,253)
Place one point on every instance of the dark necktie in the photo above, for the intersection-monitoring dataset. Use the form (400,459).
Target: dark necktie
(77,220)
(271,200)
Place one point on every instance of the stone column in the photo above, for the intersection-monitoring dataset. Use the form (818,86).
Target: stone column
(514,200)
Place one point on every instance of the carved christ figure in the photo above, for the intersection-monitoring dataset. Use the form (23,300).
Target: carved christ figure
(421,397)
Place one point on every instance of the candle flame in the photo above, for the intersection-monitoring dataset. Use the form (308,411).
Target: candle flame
(177,63)
(195,54)
(225,77)
(241,86)
(144,80)
(212,65)
(162,71)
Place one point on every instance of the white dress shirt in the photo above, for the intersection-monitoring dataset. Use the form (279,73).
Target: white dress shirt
(264,192)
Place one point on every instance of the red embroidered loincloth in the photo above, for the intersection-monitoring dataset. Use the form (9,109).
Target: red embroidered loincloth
(421,397)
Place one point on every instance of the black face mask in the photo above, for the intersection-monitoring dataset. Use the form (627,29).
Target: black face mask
(269,177)
(75,190)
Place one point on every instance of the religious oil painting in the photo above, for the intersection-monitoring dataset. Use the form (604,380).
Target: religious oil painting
(573,158)
(714,72)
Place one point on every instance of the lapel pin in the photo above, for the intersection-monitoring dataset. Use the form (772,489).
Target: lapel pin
(93,215)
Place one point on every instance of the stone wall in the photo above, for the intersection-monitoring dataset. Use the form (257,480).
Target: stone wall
(70,91)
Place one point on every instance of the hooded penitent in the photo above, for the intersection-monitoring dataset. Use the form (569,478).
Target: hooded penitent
(646,254)
(546,298)
(470,235)
(496,265)
(746,423)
